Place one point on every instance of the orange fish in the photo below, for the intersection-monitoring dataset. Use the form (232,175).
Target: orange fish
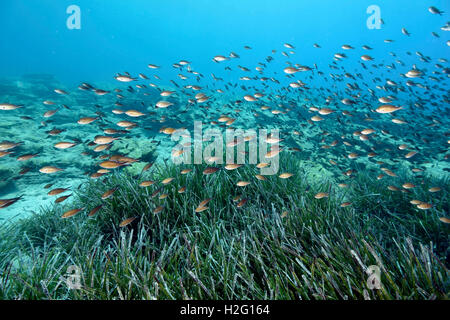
(424,206)
(108,164)
(167,180)
(210,170)
(242,203)
(61,199)
(57,191)
(146,183)
(126,222)
(49,169)
(95,210)
(71,213)
(387,108)
(158,209)
(109,193)
(321,195)
(232,166)
(286,175)
(86,120)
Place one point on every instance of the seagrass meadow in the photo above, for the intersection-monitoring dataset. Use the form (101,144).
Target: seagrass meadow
(282,244)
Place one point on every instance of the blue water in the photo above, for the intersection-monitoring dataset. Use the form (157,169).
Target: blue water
(117,36)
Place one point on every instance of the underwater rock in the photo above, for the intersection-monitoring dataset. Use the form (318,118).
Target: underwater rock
(6,185)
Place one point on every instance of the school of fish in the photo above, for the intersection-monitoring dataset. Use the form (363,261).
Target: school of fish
(379,116)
